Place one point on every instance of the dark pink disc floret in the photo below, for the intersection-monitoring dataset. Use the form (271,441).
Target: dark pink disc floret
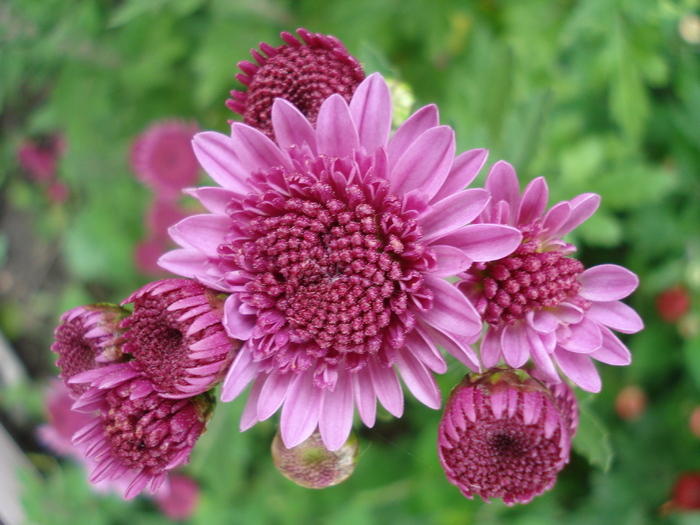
(504,435)
(305,73)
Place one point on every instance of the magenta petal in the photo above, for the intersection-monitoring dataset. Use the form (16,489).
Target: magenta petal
(216,153)
(187,263)
(491,348)
(387,387)
(456,346)
(583,337)
(613,352)
(336,135)
(214,199)
(543,321)
(450,261)
(202,232)
(556,217)
(417,124)
(617,316)
(451,311)
(533,201)
(418,379)
(273,393)
(291,126)
(423,347)
(370,108)
(249,417)
(515,344)
(335,421)
(426,163)
(465,168)
(540,356)
(607,282)
(582,207)
(484,242)
(502,184)
(238,325)
(580,369)
(301,410)
(453,212)
(256,151)
(243,370)
(365,398)
(568,313)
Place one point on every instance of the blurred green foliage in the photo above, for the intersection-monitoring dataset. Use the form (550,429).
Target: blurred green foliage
(597,95)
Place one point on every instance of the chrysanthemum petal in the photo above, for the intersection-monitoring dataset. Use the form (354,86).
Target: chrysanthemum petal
(249,417)
(582,207)
(255,151)
(491,348)
(417,124)
(453,212)
(291,126)
(541,357)
(423,347)
(186,262)
(616,315)
(464,170)
(583,337)
(543,321)
(533,201)
(202,232)
(242,372)
(607,282)
(613,351)
(556,217)
(365,398)
(273,393)
(336,135)
(484,242)
(238,325)
(418,379)
(450,260)
(515,344)
(451,311)
(426,163)
(301,410)
(370,108)
(335,421)
(580,369)
(502,184)
(217,155)
(456,346)
(387,387)
(213,198)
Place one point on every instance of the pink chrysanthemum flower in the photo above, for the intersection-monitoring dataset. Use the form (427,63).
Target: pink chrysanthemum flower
(138,434)
(539,303)
(176,338)
(505,435)
(333,244)
(162,157)
(304,73)
(85,339)
(40,158)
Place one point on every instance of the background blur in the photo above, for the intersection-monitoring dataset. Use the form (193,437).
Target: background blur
(597,95)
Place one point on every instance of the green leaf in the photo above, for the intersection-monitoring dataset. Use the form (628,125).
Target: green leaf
(592,439)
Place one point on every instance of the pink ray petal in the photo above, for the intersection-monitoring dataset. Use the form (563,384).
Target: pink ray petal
(426,163)
(336,135)
(273,393)
(291,126)
(387,387)
(533,201)
(418,379)
(491,347)
(540,356)
(202,232)
(213,198)
(612,352)
(238,325)
(216,153)
(543,321)
(417,124)
(556,217)
(370,108)
(423,347)
(451,310)
(465,168)
(455,346)
(450,261)
(484,242)
(250,412)
(255,151)
(453,212)
(607,282)
(502,184)
(515,344)
(335,421)
(365,398)
(582,207)
(243,370)
(301,410)
(617,316)
(580,369)
(583,337)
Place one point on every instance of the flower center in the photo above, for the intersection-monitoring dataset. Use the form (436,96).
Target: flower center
(149,432)
(524,281)
(336,264)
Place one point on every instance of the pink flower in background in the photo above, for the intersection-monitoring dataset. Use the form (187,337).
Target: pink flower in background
(333,244)
(161,214)
(179,499)
(39,158)
(304,73)
(540,304)
(162,157)
(506,435)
